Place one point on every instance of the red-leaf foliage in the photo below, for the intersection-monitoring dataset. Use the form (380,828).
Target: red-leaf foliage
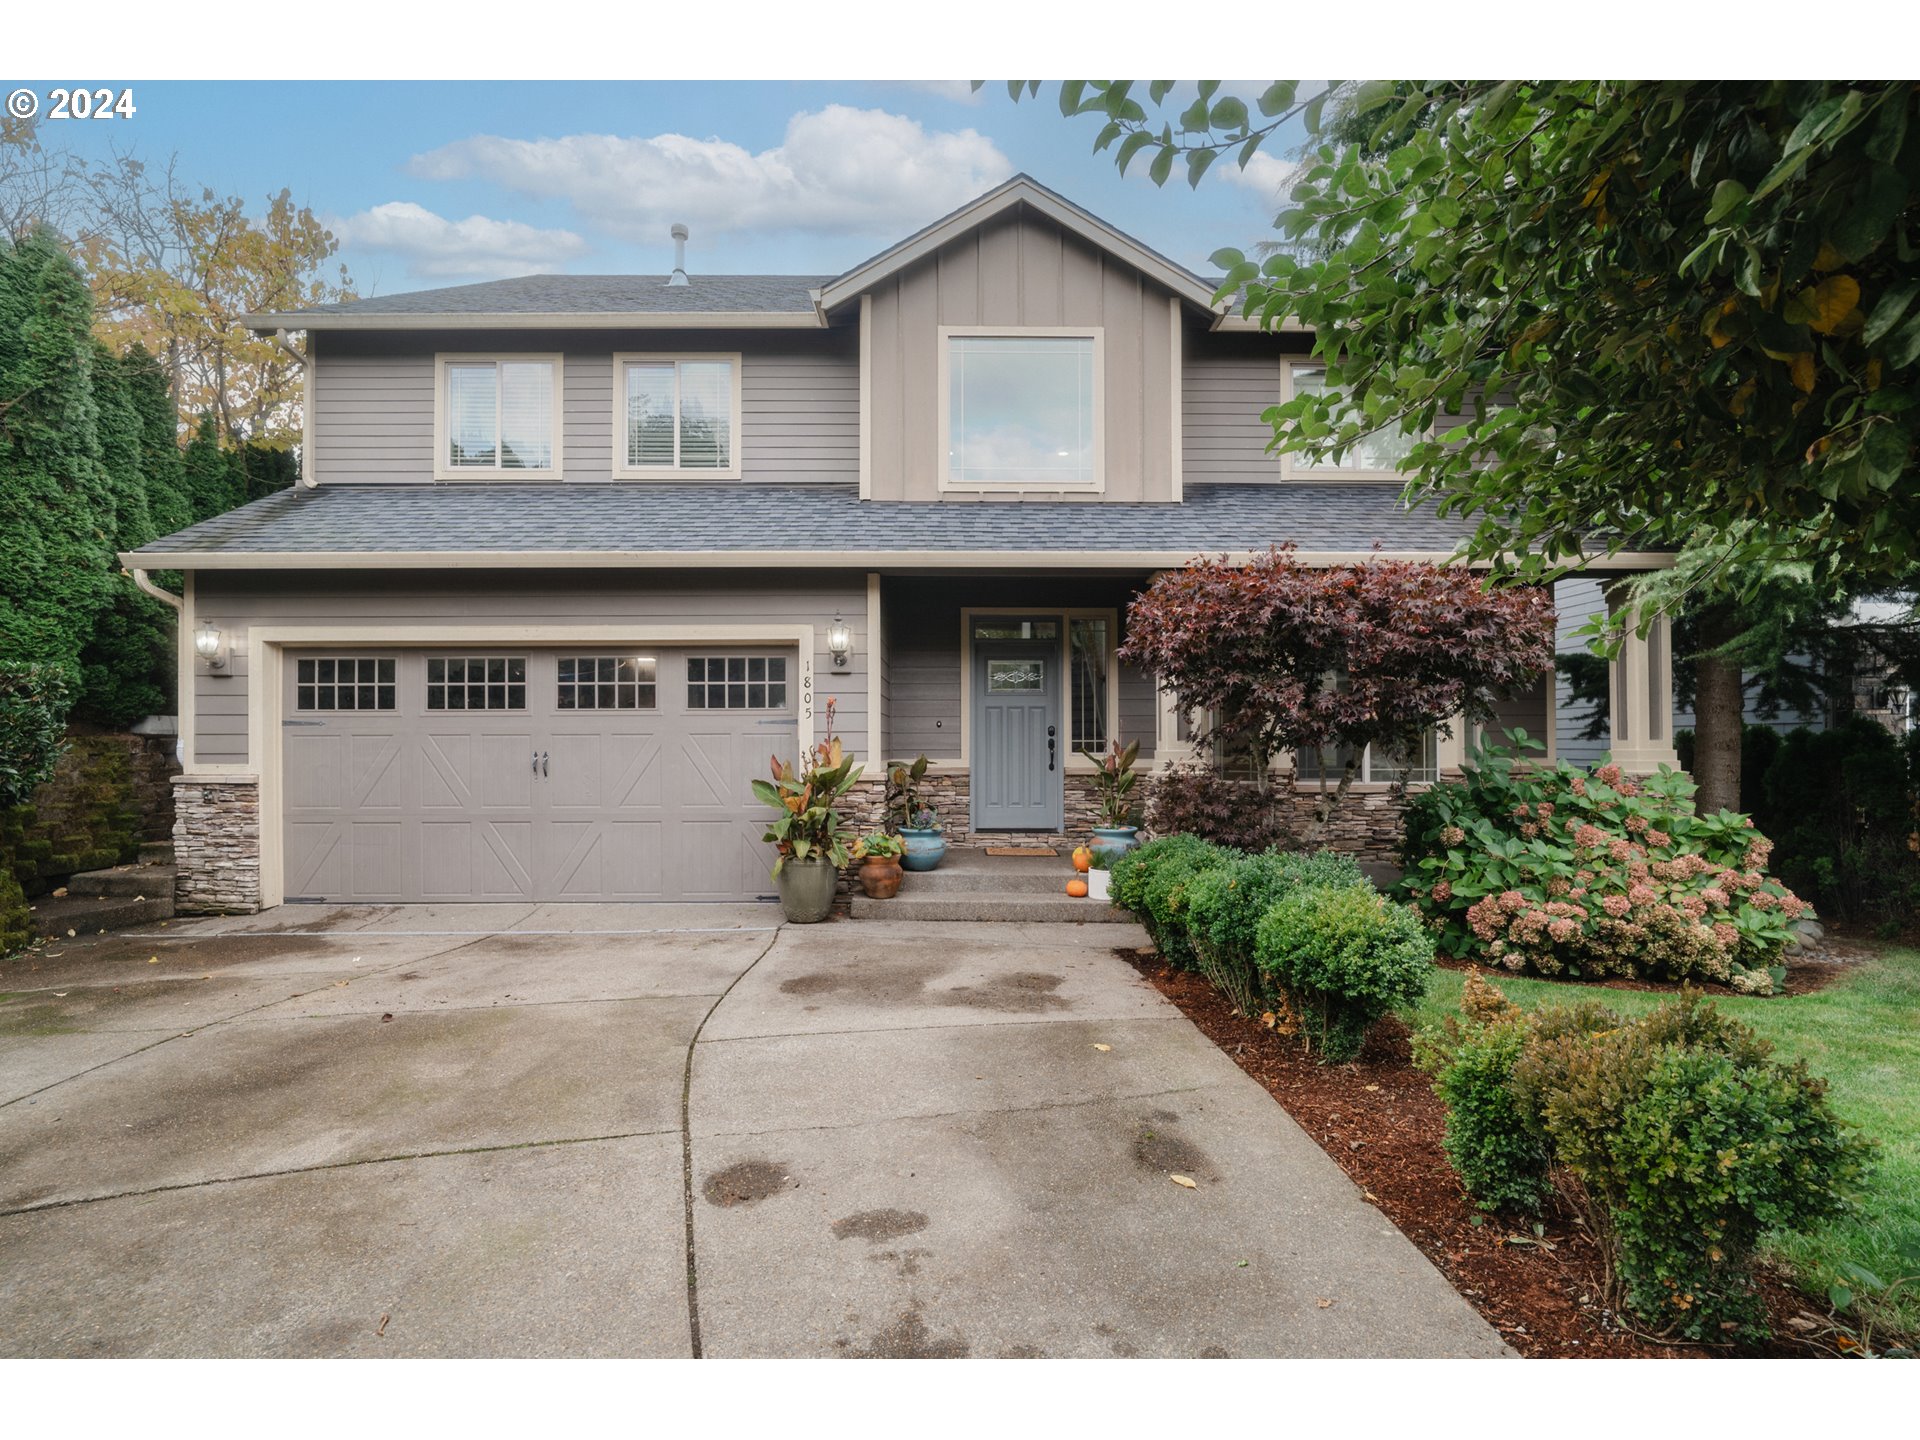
(1291,657)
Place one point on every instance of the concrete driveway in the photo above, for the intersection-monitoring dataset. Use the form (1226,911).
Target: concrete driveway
(659,1131)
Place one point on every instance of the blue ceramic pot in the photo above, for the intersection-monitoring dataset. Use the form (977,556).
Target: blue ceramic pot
(924,848)
(1114,842)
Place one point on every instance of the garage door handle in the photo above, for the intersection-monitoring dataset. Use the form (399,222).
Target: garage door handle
(543,765)
(540,762)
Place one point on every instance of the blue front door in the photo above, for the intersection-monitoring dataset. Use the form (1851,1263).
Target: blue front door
(1019,752)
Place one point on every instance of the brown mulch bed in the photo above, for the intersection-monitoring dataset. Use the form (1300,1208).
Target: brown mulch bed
(1380,1121)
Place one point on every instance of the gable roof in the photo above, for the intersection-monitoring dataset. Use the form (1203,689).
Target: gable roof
(640,302)
(1027,191)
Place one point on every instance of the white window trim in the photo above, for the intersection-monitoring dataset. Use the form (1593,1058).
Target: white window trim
(624,471)
(442,470)
(1326,474)
(944,386)
(1075,763)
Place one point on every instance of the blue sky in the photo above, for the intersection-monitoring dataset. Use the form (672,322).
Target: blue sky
(442,183)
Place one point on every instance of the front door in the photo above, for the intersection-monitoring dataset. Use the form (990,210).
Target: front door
(1019,752)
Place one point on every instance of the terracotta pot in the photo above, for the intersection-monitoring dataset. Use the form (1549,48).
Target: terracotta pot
(880,877)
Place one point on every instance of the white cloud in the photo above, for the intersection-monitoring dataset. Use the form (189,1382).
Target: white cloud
(837,170)
(433,245)
(1266,175)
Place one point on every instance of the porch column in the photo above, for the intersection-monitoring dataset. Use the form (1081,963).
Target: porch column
(876,674)
(1450,750)
(1640,694)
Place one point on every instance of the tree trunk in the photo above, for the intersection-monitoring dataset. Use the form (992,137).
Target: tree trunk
(1329,805)
(1719,716)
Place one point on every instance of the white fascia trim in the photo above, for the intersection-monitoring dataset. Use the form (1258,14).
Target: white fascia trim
(1018,191)
(266,651)
(1017,561)
(1233,320)
(560,320)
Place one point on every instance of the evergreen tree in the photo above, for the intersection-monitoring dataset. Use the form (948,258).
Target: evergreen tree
(57,513)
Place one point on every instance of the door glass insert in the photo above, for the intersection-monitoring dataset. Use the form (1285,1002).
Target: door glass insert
(476,682)
(343,682)
(606,682)
(1013,676)
(737,682)
(993,627)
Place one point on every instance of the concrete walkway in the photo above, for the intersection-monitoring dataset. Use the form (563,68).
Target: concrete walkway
(659,1131)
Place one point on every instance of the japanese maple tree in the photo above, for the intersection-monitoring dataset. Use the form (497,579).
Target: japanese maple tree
(1287,657)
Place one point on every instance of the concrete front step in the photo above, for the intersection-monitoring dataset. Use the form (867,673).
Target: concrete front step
(90,914)
(1034,877)
(129,881)
(1013,908)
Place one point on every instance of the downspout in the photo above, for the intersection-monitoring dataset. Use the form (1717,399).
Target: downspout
(140,579)
(306,407)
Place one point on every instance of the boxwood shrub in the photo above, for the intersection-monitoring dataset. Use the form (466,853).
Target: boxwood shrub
(1224,905)
(1688,1140)
(1343,957)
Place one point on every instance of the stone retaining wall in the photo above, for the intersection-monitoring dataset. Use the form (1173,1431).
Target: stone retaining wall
(216,844)
(866,808)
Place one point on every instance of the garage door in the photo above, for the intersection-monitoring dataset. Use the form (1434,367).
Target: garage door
(503,774)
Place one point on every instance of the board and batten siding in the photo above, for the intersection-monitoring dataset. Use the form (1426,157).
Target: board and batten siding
(1021,270)
(799,400)
(238,600)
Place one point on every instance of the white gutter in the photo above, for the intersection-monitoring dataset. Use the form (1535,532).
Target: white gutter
(561,320)
(140,579)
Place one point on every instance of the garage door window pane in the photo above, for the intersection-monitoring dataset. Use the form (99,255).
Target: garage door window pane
(343,683)
(737,682)
(607,682)
(477,682)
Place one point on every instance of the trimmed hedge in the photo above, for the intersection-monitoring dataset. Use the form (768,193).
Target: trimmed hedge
(1339,956)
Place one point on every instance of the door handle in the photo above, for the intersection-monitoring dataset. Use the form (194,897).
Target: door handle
(1052,746)
(544,772)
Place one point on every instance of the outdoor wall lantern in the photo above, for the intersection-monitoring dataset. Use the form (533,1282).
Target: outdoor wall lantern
(209,644)
(839,642)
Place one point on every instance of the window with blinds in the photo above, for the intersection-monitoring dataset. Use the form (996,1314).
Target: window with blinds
(677,415)
(499,415)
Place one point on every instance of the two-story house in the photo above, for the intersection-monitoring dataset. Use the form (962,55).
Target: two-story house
(573,555)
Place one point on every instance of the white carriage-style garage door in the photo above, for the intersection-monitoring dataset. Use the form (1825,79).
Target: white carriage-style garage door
(495,773)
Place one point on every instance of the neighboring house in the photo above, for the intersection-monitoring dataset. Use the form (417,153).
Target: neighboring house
(573,555)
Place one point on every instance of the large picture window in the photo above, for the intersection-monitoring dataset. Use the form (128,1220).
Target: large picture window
(498,415)
(677,415)
(1374,458)
(1021,410)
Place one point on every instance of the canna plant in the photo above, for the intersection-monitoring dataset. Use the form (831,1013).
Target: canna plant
(808,826)
(1113,781)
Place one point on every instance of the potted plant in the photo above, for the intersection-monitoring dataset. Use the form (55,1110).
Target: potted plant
(879,857)
(1113,781)
(916,822)
(1098,876)
(806,834)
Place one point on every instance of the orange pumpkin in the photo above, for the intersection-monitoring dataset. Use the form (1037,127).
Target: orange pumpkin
(1077,888)
(1082,859)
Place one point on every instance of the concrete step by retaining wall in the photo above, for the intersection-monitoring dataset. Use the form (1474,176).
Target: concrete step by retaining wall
(91,914)
(1017,909)
(156,852)
(124,880)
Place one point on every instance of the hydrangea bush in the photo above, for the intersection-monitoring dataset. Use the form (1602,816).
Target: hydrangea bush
(1554,871)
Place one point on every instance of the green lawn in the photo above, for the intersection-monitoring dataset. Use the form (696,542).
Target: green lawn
(1863,1034)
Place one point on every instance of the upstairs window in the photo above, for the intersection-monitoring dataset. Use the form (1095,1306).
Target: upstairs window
(1374,458)
(677,415)
(1021,409)
(498,415)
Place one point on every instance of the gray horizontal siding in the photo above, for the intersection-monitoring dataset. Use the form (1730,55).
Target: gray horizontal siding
(238,600)
(1223,437)
(799,399)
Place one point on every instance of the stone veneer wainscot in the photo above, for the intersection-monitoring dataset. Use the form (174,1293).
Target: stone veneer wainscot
(216,844)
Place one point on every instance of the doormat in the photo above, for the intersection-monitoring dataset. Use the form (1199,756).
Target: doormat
(1025,852)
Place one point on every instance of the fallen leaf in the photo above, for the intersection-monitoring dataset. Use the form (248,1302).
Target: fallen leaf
(61,893)
(1324,1303)
(154,961)
(139,898)
(385,1018)
(1373,1087)
(1103,1047)
(70,934)
(1369,1195)
(1183,1182)
(59,994)
(383,1325)
(341,984)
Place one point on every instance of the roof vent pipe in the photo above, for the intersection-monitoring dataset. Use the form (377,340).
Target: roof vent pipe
(679,276)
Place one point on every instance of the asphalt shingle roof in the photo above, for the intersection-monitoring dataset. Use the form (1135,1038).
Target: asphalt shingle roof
(594,294)
(803,519)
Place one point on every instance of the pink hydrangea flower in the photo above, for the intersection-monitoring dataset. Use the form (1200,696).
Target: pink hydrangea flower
(1578,784)
(1715,896)
(1589,837)
(1636,823)
(1616,905)
(1562,931)
(1608,774)
(1725,933)
(1642,894)
(1659,839)
(1452,835)
(1443,892)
